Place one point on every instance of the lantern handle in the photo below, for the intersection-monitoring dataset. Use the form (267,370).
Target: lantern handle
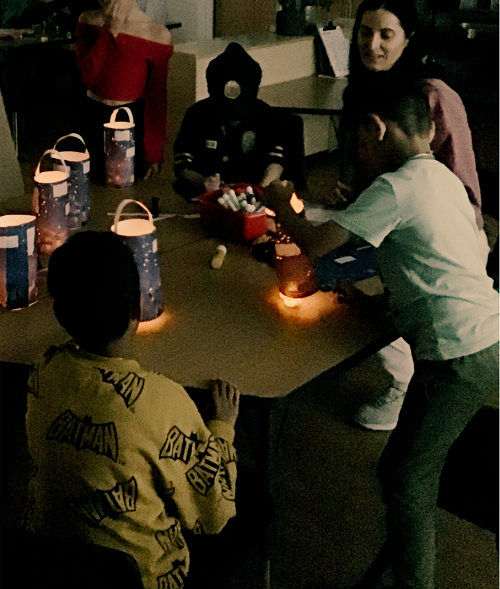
(72,135)
(115,112)
(58,156)
(123,204)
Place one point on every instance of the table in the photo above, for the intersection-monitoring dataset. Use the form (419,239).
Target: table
(317,95)
(227,323)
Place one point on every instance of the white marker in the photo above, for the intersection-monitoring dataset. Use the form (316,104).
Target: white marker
(219,256)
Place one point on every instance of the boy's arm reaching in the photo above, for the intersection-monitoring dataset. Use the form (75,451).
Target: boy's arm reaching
(314,241)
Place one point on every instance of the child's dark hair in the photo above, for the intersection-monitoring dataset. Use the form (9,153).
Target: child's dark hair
(94,281)
(393,99)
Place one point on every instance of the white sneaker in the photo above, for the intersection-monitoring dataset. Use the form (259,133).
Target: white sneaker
(383,413)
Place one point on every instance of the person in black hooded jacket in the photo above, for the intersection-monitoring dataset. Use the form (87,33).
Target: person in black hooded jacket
(232,136)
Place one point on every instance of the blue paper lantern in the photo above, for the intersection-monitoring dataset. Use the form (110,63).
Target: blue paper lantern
(18,261)
(78,182)
(51,206)
(139,234)
(119,150)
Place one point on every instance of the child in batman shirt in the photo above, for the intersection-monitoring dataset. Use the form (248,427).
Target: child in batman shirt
(122,456)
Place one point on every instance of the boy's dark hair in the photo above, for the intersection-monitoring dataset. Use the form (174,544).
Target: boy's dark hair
(403,103)
(94,281)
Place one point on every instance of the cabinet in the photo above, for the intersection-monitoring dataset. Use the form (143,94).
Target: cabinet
(241,17)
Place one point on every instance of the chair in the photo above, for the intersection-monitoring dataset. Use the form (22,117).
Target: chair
(28,559)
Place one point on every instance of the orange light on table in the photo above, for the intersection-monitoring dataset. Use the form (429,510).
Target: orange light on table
(296,277)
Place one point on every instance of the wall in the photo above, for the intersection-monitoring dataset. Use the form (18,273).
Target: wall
(196,16)
(12,195)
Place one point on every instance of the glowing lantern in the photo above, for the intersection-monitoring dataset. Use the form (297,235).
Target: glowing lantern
(139,235)
(297,277)
(78,182)
(119,149)
(18,261)
(51,205)
(297,204)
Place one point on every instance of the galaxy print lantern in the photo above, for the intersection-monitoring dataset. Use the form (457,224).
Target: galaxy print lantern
(139,234)
(78,163)
(51,206)
(18,261)
(119,149)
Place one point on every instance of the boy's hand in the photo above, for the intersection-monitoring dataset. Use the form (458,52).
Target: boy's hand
(212,183)
(342,196)
(225,402)
(277,194)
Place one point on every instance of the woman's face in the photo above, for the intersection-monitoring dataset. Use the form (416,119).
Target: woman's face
(381,40)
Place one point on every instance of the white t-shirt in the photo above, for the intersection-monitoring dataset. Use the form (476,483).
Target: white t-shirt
(421,222)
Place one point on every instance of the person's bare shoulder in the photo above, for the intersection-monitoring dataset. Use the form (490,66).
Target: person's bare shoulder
(92,17)
(159,33)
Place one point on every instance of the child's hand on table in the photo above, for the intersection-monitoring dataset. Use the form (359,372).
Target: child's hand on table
(225,402)
(212,183)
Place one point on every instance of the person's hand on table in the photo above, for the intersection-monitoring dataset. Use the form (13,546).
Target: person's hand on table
(225,402)
(212,183)
(152,171)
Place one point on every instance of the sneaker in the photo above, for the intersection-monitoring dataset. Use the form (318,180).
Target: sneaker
(383,413)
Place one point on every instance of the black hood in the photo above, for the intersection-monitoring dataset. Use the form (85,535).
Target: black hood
(234,64)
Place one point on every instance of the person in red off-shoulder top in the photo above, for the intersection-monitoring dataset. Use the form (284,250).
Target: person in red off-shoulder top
(123,57)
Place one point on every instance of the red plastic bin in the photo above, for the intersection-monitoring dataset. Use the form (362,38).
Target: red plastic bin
(233,226)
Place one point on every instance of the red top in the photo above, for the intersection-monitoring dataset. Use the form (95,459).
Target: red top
(127,68)
(452,143)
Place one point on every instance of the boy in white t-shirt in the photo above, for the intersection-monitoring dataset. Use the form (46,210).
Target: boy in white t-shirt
(417,214)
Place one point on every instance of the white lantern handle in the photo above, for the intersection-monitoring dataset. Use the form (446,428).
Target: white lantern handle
(123,204)
(115,112)
(72,135)
(58,156)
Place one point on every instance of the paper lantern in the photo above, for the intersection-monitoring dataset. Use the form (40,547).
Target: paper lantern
(78,182)
(139,235)
(119,149)
(18,261)
(297,278)
(51,206)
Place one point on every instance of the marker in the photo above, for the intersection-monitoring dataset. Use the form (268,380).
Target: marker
(220,254)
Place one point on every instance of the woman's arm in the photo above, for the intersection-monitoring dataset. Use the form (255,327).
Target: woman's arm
(452,143)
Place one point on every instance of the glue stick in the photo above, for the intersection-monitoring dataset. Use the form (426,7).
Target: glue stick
(220,254)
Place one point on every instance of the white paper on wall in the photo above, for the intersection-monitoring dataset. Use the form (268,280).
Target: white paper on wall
(337,49)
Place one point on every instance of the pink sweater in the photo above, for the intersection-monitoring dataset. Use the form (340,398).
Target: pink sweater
(127,68)
(452,143)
